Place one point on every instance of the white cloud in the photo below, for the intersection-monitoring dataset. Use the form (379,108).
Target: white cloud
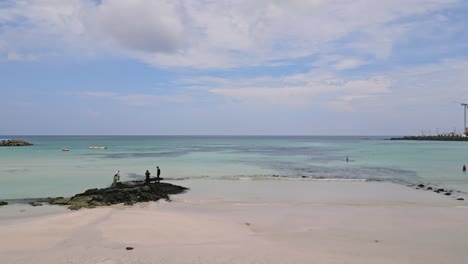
(13,56)
(349,63)
(302,90)
(93,114)
(424,87)
(292,96)
(220,33)
(431,84)
(138,99)
(146,26)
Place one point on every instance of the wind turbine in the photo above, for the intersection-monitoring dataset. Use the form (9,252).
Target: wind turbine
(465,105)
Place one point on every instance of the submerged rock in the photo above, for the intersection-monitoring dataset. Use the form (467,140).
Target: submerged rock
(127,193)
(3,203)
(13,143)
(460,199)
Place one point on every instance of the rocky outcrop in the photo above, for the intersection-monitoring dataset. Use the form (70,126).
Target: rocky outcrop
(14,143)
(127,193)
(3,203)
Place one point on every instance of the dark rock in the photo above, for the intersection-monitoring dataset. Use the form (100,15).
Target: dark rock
(460,199)
(448,194)
(421,185)
(14,143)
(440,190)
(129,248)
(58,201)
(3,203)
(92,191)
(127,193)
(429,188)
(34,203)
(75,207)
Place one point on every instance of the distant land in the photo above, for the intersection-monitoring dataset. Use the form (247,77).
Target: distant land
(13,143)
(434,138)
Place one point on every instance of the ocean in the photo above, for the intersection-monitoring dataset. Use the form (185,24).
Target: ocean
(44,170)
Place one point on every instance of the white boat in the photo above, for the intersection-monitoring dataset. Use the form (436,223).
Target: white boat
(97,147)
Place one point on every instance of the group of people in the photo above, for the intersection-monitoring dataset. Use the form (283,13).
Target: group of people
(148,174)
(116,178)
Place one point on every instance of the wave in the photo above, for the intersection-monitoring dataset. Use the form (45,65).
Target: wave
(268,178)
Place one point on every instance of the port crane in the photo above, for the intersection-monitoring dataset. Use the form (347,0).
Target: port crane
(465,105)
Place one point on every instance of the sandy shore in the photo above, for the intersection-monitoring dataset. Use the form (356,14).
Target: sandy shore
(252,222)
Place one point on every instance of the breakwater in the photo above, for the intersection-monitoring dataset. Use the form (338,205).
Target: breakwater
(433,138)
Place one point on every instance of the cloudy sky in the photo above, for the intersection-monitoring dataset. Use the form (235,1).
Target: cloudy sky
(297,67)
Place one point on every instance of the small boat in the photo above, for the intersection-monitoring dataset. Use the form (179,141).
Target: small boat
(97,147)
(65,149)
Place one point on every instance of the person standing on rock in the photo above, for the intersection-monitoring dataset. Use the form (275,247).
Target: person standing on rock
(118,175)
(116,179)
(158,173)
(147,179)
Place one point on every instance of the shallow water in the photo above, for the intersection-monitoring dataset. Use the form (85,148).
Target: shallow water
(44,170)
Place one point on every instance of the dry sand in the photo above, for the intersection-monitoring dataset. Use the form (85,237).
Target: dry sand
(313,222)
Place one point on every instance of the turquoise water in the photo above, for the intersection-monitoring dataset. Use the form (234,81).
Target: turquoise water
(45,170)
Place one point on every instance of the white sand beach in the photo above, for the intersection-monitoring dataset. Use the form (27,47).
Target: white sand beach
(271,222)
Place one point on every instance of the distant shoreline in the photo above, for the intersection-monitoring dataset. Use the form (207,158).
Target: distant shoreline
(433,138)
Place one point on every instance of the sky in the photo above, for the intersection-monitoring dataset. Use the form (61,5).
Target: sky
(244,67)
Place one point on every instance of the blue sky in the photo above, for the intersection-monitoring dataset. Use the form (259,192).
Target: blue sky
(301,67)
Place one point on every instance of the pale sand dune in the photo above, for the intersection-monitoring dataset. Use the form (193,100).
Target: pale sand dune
(326,225)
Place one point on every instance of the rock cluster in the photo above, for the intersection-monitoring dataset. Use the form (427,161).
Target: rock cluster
(128,193)
(35,203)
(436,190)
(13,143)
(3,203)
